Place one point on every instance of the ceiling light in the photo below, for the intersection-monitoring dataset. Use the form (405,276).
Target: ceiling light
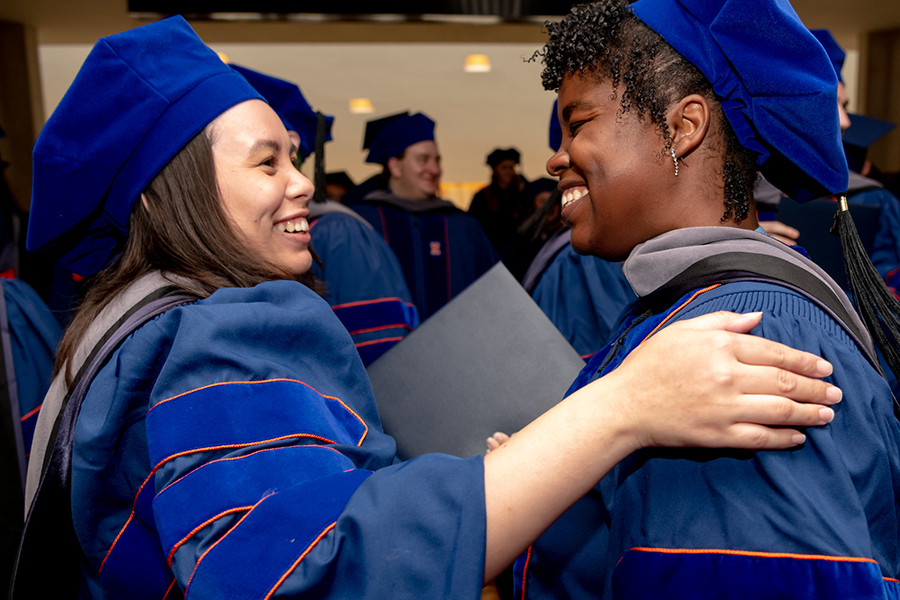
(477,63)
(361,105)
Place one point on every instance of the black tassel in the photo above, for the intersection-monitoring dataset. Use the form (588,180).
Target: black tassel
(319,176)
(877,306)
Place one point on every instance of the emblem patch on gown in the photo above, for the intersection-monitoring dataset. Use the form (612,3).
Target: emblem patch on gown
(434,248)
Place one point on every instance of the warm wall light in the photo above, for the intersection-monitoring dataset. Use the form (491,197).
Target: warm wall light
(477,63)
(361,105)
(223,57)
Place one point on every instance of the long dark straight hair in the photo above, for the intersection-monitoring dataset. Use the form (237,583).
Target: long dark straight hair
(180,227)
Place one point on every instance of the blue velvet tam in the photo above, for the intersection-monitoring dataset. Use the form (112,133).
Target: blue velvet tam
(288,102)
(555,137)
(139,97)
(774,80)
(835,53)
(865,131)
(376,126)
(399,135)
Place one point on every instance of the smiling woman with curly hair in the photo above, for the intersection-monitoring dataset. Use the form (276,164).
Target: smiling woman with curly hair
(668,109)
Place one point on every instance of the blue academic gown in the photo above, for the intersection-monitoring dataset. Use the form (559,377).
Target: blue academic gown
(29,335)
(583,296)
(233,444)
(364,283)
(34,335)
(819,521)
(886,248)
(440,248)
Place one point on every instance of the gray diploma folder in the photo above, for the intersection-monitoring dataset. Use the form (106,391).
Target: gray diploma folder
(489,360)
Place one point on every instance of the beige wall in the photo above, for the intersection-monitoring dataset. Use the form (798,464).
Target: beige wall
(474,111)
(402,66)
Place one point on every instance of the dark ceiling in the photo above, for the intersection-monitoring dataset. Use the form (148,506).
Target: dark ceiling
(508,10)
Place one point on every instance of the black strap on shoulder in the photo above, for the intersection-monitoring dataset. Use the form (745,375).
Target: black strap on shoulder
(48,564)
(733,267)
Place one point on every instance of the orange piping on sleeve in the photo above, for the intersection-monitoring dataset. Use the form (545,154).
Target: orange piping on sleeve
(758,554)
(182,541)
(185,453)
(231,458)
(525,570)
(297,562)
(347,408)
(674,312)
(382,328)
(208,550)
(169,590)
(365,302)
(382,341)
(31,414)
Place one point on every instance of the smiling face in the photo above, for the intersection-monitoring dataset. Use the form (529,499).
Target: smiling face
(617,177)
(416,176)
(263,194)
(614,173)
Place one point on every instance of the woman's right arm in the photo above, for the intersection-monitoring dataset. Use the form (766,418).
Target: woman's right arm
(696,383)
(276,479)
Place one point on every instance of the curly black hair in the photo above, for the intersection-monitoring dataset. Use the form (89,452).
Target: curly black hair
(607,41)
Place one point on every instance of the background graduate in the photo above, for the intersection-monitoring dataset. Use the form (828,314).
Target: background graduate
(441,249)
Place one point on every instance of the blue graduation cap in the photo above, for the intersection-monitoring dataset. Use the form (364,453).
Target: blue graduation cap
(398,135)
(139,97)
(376,126)
(555,138)
(835,53)
(288,102)
(862,133)
(778,89)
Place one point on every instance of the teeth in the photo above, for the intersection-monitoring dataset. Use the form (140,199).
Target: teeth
(300,226)
(571,196)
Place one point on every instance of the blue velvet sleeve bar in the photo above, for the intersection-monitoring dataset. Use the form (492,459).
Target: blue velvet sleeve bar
(232,448)
(364,284)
